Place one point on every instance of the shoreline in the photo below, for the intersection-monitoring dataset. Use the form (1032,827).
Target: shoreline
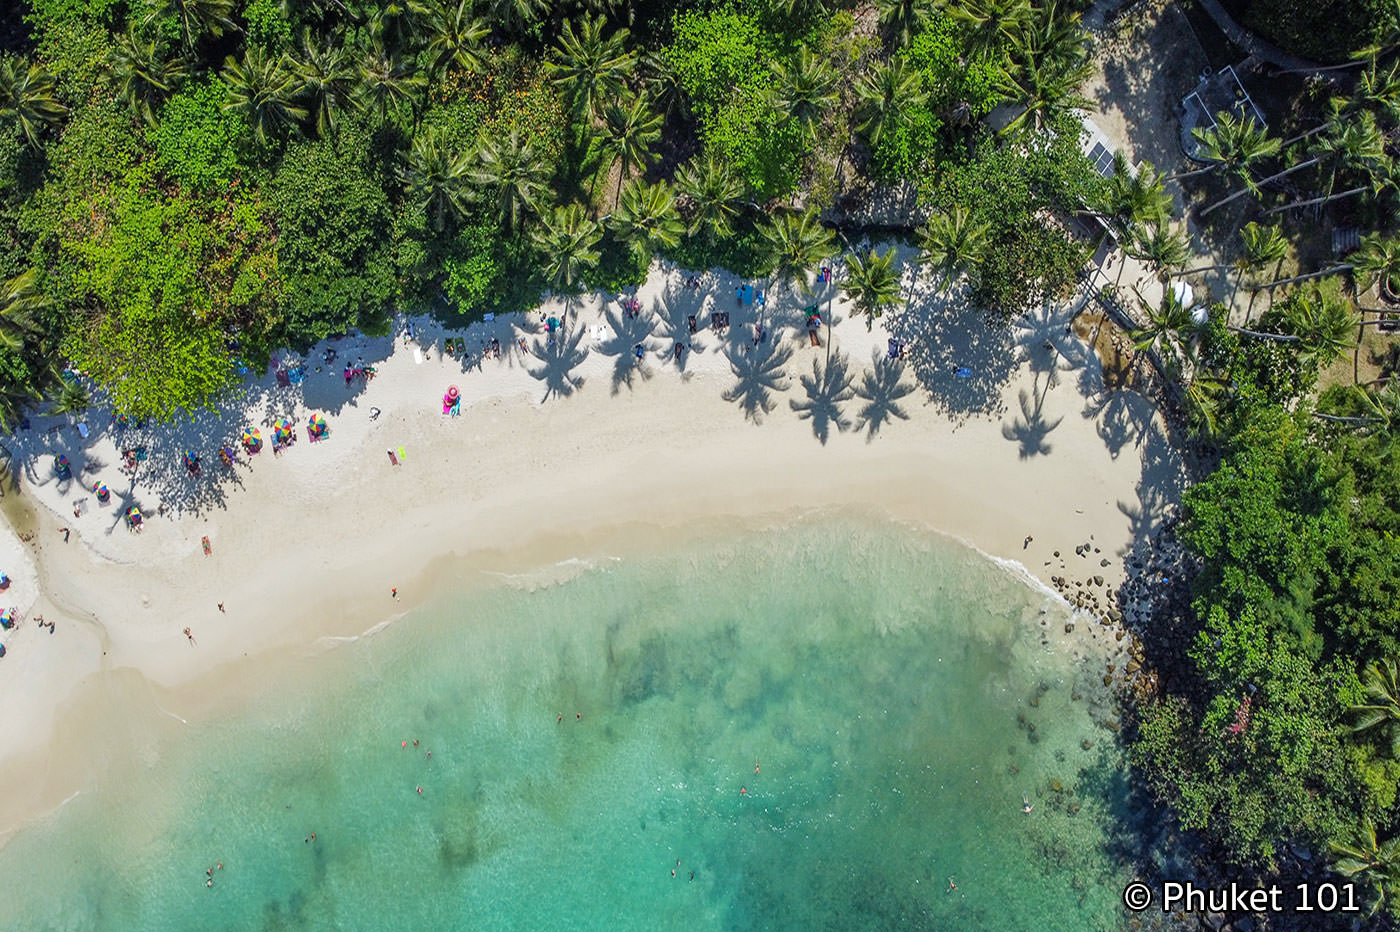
(542,461)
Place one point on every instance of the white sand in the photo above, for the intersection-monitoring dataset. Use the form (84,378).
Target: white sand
(539,468)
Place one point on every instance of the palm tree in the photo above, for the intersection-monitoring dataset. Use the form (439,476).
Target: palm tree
(796,242)
(647,216)
(953,243)
(324,81)
(568,239)
(1377,262)
(1349,145)
(27,98)
(388,81)
(887,92)
(1160,246)
(261,89)
(803,89)
(513,173)
(1379,712)
(1262,245)
(991,23)
(437,180)
(1049,63)
(871,284)
(195,18)
(1164,331)
(901,19)
(1133,199)
(20,300)
(1361,855)
(589,66)
(456,37)
(516,16)
(144,77)
(711,193)
(1323,320)
(1233,145)
(631,131)
(72,399)
(664,85)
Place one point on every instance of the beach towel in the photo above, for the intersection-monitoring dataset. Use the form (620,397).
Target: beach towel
(418,356)
(963,372)
(82,430)
(402,455)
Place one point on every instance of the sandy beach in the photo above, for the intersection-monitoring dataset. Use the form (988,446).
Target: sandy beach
(567,447)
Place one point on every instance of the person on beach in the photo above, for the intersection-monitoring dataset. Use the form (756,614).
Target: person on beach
(221,609)
(1027,542)
(394,592)
(190,636)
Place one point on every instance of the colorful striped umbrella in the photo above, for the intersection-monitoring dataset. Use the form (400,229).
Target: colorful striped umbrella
(100,488)
(316,426)
(252,439)
(282,430)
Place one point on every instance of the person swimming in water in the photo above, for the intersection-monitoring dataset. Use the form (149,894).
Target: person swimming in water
(1026,806)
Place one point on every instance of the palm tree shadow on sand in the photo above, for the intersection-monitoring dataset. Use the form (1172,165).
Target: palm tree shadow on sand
(1031,430)
(560,357)
(960,355)
(828,387)
(627,332)
(881,388)
(758,374)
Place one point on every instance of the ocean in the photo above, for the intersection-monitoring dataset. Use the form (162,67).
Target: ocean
(826,725)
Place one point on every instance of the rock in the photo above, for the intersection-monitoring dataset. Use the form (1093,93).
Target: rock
(1108,680)
(1035,702)
(1098,580)
(1075,697)
(1133,666)
(1086,744)
(1057,786)
(1104,562)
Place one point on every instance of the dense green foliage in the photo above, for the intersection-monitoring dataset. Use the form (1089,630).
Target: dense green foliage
(195,184)
(1327,32)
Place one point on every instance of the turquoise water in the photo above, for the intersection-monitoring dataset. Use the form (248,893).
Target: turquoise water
(824,723)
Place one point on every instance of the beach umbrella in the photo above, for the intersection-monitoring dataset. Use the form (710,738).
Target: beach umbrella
(100,488)
(252,439)
(4,581)
(7,618)
(282,430)
(452,393)
(191,459)
(552,324)
(62,465)
(316,425)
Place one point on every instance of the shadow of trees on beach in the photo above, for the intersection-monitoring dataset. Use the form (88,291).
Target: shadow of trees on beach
(758,374)
(560,356)
(1031,430)
(627,332)
(827,388)
(881,388)
(962,357)
(1159,487)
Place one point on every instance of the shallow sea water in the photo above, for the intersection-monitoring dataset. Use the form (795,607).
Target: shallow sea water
(824,723)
